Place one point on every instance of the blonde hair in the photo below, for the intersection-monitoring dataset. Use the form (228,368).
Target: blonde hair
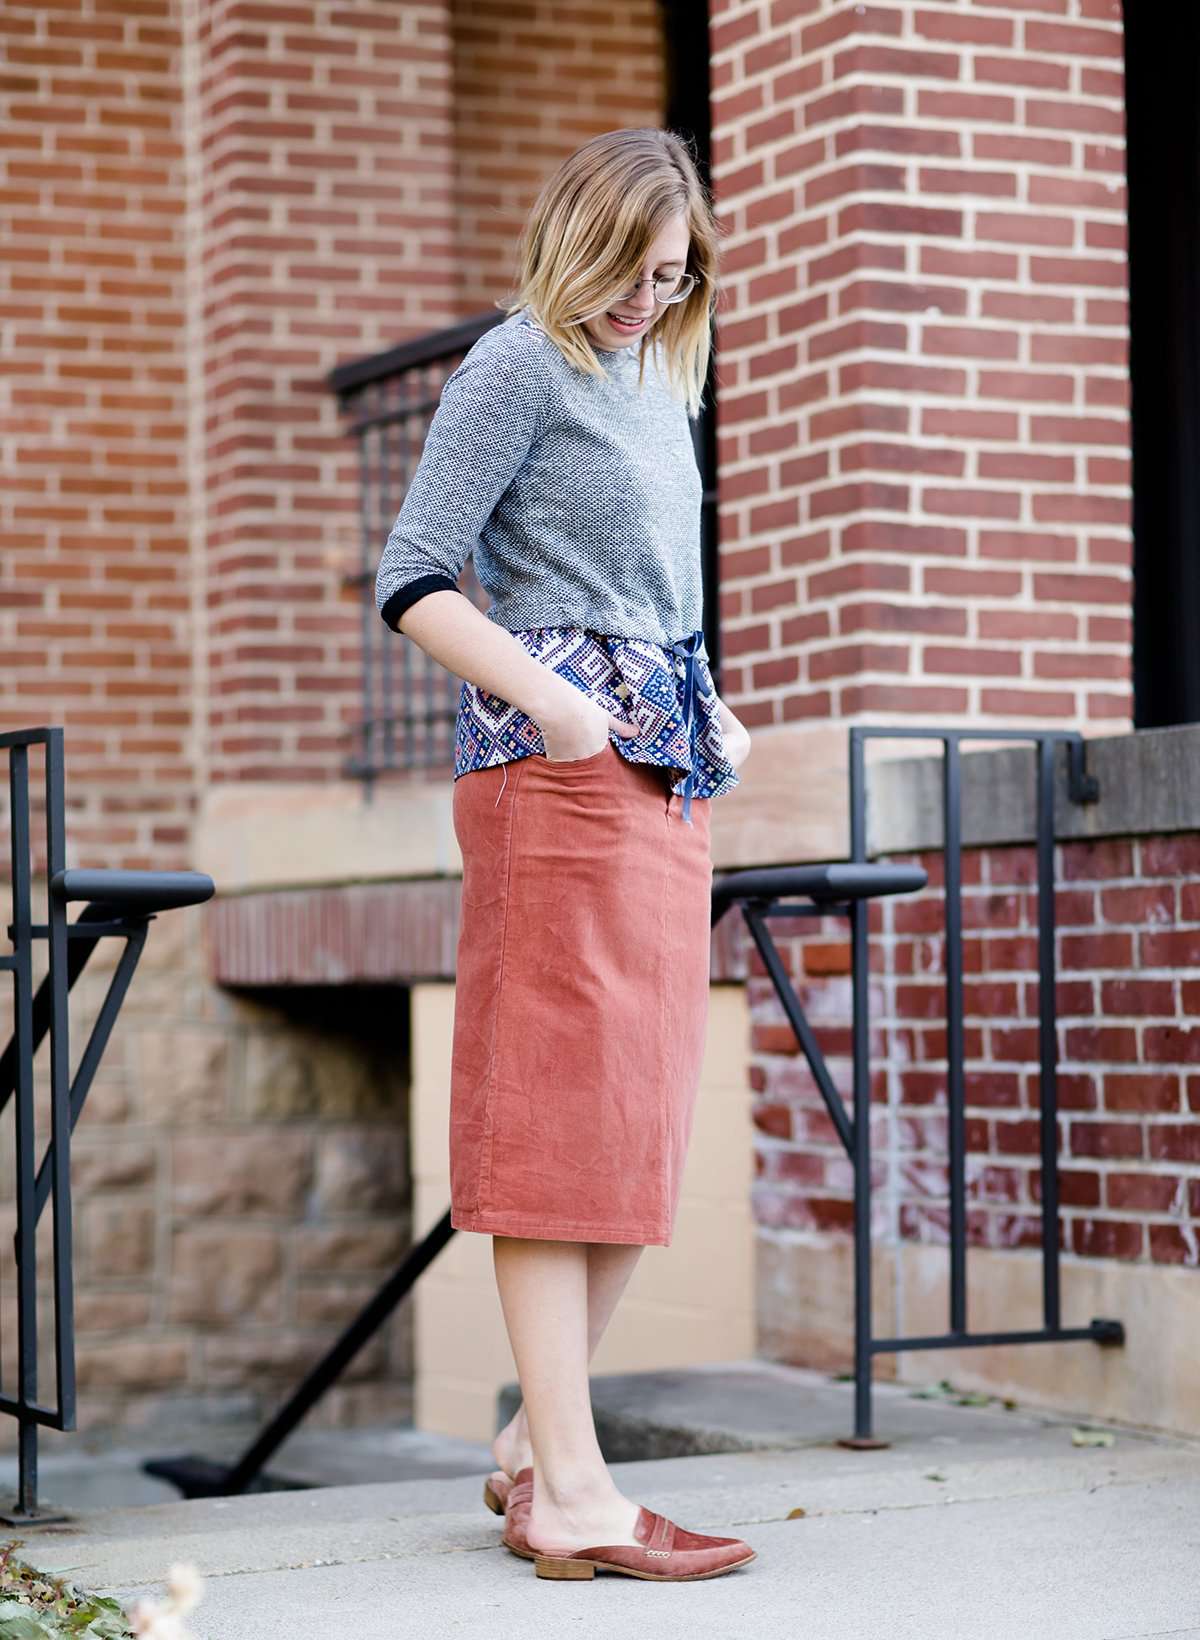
(585,237)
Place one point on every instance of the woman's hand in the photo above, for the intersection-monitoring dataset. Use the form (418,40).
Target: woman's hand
(579,727)
(734,735)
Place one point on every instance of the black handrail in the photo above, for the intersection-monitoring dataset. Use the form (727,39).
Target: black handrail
(1081,788)
(120,904)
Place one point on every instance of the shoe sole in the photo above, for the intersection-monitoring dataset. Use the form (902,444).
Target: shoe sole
(570,1571)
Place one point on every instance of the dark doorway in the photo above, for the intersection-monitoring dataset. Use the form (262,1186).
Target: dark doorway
(686,112)
(1162,118)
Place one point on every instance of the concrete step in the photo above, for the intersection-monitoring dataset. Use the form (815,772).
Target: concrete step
(976,1522)
(736,1406)
(727,1407)
(77,1481)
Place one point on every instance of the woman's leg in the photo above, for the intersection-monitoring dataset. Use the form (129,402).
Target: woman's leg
(609,1267)
(543,1288)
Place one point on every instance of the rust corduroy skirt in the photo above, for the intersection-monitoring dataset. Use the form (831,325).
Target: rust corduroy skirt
(582,998)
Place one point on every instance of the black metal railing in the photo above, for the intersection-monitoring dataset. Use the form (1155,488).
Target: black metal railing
(409,703)
(834,890)
(119,904)
(1081,788)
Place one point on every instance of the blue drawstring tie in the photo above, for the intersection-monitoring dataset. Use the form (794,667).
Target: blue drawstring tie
(689,649)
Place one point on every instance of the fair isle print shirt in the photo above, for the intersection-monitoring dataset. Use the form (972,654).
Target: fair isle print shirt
(669,694)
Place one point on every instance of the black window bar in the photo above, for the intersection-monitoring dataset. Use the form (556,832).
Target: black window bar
(840,889)
(120,904)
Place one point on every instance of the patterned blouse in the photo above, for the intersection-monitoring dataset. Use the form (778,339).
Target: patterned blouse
(666,689)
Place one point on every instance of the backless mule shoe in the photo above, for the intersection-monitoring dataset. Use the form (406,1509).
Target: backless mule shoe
(667,1554)
(516,1515)
(495,1491)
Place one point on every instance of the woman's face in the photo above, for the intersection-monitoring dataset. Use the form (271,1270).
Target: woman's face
(667,255)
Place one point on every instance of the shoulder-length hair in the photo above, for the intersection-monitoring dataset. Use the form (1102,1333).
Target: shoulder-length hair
(587,233)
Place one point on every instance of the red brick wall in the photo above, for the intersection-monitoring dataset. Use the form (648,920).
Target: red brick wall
(924,437)
(94,505)
(528,87)
(324,232)
(1128,951)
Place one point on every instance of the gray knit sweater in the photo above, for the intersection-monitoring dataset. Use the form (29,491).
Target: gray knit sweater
(579,496)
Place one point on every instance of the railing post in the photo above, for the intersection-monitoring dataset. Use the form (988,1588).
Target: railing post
(860,984)
(956,1093)
(26,1233)
(122,903)
(1047,1032)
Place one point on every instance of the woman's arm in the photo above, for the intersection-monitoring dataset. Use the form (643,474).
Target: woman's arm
(449,627)
(489,414)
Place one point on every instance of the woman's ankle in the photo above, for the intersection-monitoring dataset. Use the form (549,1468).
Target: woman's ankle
(580,1520)
(570,1492)
(511,1447)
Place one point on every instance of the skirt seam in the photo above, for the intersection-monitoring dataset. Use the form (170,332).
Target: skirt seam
(486,1146)
(663,1096)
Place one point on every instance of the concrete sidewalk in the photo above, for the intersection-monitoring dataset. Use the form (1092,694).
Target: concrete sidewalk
(977,1523)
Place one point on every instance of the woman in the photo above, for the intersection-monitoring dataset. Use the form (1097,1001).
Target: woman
(589,744)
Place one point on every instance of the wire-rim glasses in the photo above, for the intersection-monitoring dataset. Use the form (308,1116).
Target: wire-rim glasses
(677,285)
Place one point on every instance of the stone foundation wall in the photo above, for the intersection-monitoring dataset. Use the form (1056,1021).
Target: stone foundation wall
(242,1185)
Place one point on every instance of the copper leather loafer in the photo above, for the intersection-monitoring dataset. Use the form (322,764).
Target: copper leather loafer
(516,1515)
(665,1553)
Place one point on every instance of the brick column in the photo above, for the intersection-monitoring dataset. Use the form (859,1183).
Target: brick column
(94,508)
(326,231)
(924,437)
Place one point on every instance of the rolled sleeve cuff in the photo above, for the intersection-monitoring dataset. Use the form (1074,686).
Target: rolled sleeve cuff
(404,597)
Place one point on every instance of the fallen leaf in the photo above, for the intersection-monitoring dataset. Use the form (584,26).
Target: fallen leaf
(1082,1435)
(795,1514)
(940,1391)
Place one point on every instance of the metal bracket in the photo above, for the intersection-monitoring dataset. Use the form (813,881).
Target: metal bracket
(1082,787)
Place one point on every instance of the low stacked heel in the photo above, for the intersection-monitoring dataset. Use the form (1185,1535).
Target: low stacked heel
(568,1570)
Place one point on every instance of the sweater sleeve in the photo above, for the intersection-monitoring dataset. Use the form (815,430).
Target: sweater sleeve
(489,413)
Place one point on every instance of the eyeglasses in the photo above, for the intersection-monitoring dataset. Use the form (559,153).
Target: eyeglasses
(675,285)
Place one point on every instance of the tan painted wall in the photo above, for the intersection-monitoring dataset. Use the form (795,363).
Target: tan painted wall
(688,1303)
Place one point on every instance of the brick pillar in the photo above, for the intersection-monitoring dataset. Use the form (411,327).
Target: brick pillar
(325,231)
(94,507)
(924,439)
